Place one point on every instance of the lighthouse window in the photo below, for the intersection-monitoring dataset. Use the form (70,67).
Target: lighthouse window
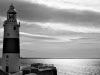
(8,34)
(14,28)
(7,56)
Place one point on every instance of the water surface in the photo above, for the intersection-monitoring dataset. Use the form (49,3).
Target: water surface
(70,66)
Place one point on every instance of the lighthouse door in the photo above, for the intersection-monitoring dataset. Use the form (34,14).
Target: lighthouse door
(7,68)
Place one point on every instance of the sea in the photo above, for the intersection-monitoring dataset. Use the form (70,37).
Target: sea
(69,66)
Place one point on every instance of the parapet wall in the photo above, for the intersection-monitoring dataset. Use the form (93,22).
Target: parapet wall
(40,69)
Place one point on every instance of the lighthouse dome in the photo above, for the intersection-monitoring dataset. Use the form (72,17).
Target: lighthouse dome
(11,10)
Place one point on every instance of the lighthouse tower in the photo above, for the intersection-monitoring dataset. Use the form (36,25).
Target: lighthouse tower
(11,44)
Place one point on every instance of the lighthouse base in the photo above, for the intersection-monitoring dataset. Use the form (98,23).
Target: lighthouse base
(11,62)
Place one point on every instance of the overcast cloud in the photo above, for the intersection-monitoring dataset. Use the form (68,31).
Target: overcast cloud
(56,28)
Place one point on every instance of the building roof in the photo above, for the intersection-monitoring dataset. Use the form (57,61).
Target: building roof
(41,67)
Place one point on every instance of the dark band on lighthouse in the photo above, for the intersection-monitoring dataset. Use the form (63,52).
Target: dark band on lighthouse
(11,45)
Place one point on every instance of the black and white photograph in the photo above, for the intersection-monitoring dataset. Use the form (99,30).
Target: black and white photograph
(49,37)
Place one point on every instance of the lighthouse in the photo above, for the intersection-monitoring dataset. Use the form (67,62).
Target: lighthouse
(11,42)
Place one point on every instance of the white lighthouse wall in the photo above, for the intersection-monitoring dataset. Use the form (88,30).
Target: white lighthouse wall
(12,60)
(11,31)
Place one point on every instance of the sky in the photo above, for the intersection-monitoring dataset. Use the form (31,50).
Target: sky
(56,28)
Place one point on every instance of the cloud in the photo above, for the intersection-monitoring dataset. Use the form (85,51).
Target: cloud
(65,27)
(37,36)
(68,30)
(1,46)
(43,14)
(66,4)
(40,13)
(1,32)
(45,38)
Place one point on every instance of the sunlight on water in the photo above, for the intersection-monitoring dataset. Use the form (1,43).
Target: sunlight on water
(66,61)
(76,66)
(73,66)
